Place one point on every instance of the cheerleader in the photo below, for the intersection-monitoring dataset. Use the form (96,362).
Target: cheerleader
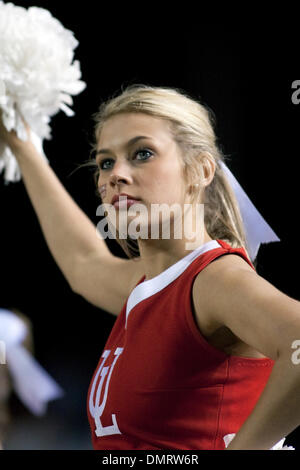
(200,354)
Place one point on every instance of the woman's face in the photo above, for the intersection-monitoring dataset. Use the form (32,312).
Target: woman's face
(137,155)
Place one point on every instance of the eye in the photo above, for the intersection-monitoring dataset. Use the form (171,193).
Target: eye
(143,152)
(102,164)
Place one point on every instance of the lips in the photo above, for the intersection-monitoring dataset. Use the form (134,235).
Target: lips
(123,196)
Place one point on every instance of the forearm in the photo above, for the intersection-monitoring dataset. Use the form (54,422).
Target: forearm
(277,412)
(69,233)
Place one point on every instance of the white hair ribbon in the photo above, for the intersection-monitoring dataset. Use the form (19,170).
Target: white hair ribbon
(257,229)
(33,385)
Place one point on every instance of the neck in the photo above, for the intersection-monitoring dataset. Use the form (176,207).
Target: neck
(159,255)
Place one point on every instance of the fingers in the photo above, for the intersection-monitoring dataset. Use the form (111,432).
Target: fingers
(11,137)
(4,133)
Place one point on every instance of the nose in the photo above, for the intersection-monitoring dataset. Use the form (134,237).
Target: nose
(114,180)
(119,175)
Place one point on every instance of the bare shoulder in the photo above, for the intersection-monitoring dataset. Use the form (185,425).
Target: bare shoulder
(206,285)
(227,261)
(215,270)
(206,282)
(230,297)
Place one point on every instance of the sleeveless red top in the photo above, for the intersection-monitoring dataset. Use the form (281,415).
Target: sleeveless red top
(159,384)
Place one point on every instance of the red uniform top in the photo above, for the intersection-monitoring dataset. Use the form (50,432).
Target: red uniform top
(159,384)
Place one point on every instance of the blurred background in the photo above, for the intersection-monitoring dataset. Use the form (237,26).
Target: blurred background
(243,73)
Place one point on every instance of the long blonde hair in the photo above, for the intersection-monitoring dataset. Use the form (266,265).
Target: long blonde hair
(192,126)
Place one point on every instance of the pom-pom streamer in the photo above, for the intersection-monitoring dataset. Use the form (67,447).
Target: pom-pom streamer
(37,76)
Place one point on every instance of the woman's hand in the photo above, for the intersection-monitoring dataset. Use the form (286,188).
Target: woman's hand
(11,139)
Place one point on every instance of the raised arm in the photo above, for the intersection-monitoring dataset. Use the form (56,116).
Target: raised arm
(83,257)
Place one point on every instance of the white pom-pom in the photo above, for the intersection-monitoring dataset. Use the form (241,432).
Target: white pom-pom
(37,75)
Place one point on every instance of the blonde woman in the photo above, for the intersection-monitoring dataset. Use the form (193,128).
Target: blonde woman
(201,346)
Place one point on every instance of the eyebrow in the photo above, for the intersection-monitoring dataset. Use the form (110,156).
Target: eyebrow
(129,143)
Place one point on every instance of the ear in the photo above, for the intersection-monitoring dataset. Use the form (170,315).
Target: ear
(209,168)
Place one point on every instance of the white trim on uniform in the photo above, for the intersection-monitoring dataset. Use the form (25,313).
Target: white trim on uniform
(147,288)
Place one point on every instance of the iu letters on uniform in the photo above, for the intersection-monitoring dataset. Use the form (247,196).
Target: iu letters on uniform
(97,408)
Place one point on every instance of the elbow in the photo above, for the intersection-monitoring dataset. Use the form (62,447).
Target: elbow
(72,276)
(74,286)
